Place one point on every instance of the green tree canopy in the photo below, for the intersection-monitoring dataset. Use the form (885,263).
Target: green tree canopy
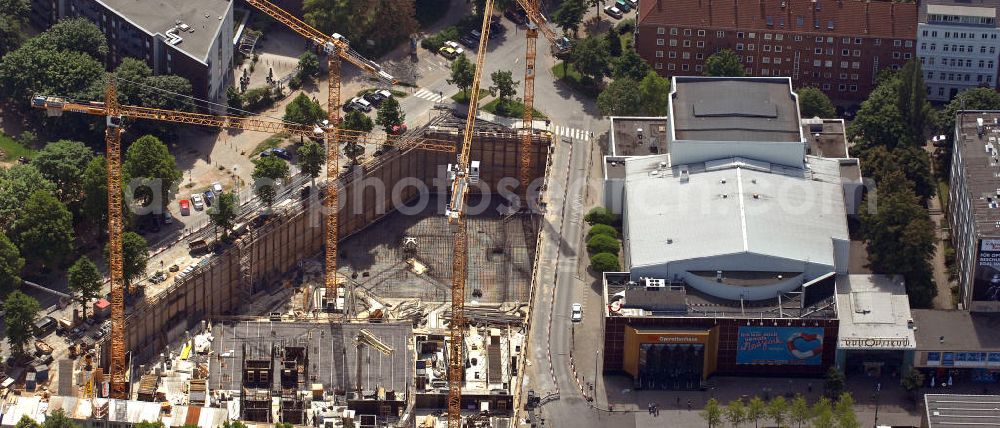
(614,41)
(879,122)
(603,244)
(912,101)
(44,229)
(823,416)
(13,16)
(148,167)
(462,73)
(84,281)
(390,115)
(655,93)
(135,256)
(777,410)
(138,86)
(814,103)
(600,215)
(312,156)
(604,262)
(95,192)
(602,229)
(844,412)
(223,212)
(147,424)
(834,383)
(63,163)
(19,182)
(504,86)
(384,22)
(308,65)
(304,110)
(712,414)
(76,34)
(58,419)
(569,15)
(798,411)
(756,410)
(912,161)
(630,65)
(591,58)
(724,63)
(735,412)
(27,422)
(63,60)
(11,264)
(20,311)
(912,380)
(622,97)
(266,171)
(357,121)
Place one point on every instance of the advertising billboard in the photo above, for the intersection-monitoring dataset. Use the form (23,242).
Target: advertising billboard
(986,283)
(780,346)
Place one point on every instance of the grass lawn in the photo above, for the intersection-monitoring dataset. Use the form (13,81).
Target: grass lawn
(570,74)
(462,98)
(942,189)
(270,143)
(12,149)
(515,109)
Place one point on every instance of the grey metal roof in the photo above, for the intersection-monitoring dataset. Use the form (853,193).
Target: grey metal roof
(732,206)
(961,330)
(326,342)
(952,410)
(205,17)
(734,109)
(982,171)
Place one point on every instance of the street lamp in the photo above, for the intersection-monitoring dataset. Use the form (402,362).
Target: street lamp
(878,388)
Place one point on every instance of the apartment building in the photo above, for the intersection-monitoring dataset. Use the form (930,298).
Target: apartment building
(838,46)
(192,39)
(958,44)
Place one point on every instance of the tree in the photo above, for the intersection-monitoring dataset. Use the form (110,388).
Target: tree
(844,412)
(11,264)
(27,422)
(879,122)
(266,171)
(504,86)
(138,86)
(912,380)
(712,413)
(622,97)
(223,212)
(312,156)
(590,57)
(614,42)
(756,410)
(304,110)
(822,413)
(85,281)
(655,91)
(777,410)
(148,167)
(389,115)
(736,413)
(234,99)
(58,419)
(604,262)
(13,16)
(833,385)
(970,99)
(135,257)
(147,424)
(308,65)
(358,122)
(600,215)
(724,63)
(798,412)
(912,161)
(814,103)
(20,311)
(19,182)
(233,424)
(602,229)
(63,163)
(630,65)
(95,192)
(27,138)
(63,60)
(602,244)
(462,74)
(384,22)
(44,229)
(569,15)
(912,101)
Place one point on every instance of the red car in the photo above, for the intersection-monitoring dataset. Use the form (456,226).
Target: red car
(185,207)
(399,129)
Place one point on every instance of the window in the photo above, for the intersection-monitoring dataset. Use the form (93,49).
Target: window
(982,63)
(993,49)
(697,68)
(933,33)
(846,40)
(765,60)
(982,49)
(923,46)
(701,33)
(658,66)
(739,35)
(659,42)
(989,64)
(878,42)
(925,33)
(699,56)
(829,51)
(961,48)
(739,46)
(856,65)
(779,37)
(930,75)
(777,48)
(687,43)
(854,88)
(818,51)
(752,35)
(843,76)
(857,53)
(673,31)
(767,36)
(686,55)
(720,34)
(661,30)
(816,63)
(843,64)
(767,48)
(826,86)
(701,43)
(748,71)
(907,55)
(684,67)
(798,38)
(673,42)
(931,60)
(777,60)
(828,64)
(829,39)
(845,52)
(687,32)
(841,87)
(933,46)
(897,43)
(857,40)
(854,76)
(672,54)
(941,91)
(750,47)
(909,43)
(945,47)
(765,72)
(968,63)
(895,55)
(671,66)
(979,78)
(819,39)
(967,77)
(749,59)
(947,34)
(659,54)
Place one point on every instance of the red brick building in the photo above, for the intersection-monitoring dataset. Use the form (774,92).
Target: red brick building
(837,46)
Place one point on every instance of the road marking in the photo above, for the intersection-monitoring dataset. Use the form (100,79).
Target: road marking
(428,95)
(574,133)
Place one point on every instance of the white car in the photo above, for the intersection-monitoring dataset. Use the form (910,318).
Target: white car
(451,44)
(198,201)
(577,314)
(217,188)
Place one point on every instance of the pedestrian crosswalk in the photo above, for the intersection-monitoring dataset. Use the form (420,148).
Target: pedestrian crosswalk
(429,95)
(574,133)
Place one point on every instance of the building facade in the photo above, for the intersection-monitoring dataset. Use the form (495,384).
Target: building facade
(191,39)
(974,209)
(958,46)
(837,46)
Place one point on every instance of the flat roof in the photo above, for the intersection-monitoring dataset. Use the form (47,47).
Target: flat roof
(732,206)
(981,168)
(826,137)
(205,17)
(950,410)
(960,330)
(943,9)
(639,136)
(874,307)
(734,109)
(331,348)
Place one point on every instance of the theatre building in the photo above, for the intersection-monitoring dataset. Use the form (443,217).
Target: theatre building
(876,334)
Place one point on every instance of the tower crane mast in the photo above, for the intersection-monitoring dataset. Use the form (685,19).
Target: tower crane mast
(112,141)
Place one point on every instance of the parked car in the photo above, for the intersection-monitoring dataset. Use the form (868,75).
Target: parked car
(45,326)
(577,314)
(458,49)
(282,153)
(623,5)
(217,187)
(167,218)
(563,44)
(496,28)
(469,41)
(613,12)
(398,129)
(209,197)
(448,52)
(361,104)
(376,97)
(516,15)
(185,206)
(634,4)
(197,201)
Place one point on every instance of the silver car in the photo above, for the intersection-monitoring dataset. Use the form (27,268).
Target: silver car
(577,313)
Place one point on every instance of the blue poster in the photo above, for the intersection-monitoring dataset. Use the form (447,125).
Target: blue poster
(934,357)
(780,346)
(994,357)
(948,359)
